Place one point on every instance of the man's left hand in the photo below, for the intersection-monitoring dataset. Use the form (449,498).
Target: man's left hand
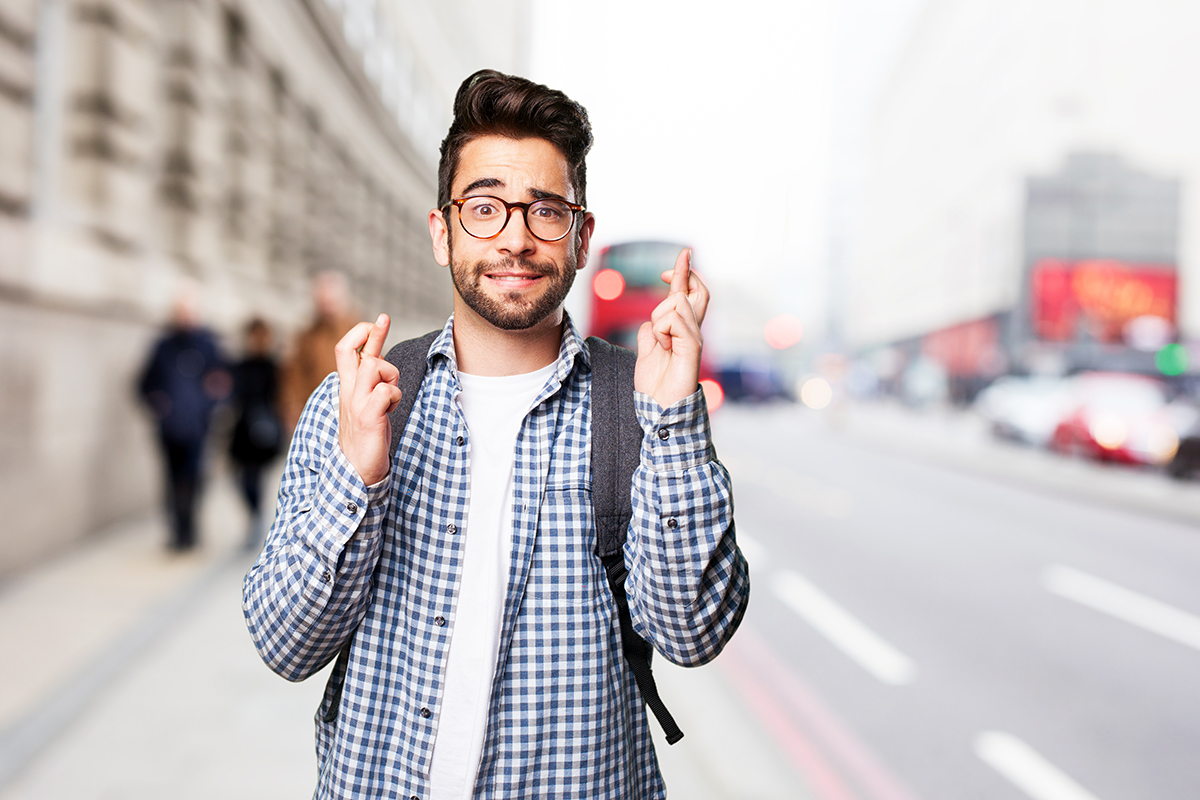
(668,364)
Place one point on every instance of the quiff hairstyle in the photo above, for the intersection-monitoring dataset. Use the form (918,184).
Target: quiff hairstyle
(490,103)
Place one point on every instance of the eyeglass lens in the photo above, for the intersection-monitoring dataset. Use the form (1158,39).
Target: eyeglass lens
(485,217)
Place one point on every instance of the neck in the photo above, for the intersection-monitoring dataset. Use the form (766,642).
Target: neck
(483,349)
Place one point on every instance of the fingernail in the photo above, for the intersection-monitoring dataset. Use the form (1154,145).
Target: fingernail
(381,320)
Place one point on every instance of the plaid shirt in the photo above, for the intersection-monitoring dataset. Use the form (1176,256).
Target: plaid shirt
(382,565)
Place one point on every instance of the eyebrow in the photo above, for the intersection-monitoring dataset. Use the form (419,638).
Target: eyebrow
(496,183)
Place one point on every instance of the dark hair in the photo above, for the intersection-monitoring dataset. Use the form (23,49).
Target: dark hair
(490,103)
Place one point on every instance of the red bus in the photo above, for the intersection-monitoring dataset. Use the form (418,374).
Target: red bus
(625,290)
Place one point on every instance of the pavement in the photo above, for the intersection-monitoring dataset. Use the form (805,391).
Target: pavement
(135,679)
(133,675)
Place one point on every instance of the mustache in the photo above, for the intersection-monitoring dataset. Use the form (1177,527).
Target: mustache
(523,264)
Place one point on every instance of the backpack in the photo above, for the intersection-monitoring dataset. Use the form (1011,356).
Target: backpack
(616,444)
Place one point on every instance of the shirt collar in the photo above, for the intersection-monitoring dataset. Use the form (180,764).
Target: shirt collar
(571,348)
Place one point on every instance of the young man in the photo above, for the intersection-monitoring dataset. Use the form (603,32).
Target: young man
(485,653)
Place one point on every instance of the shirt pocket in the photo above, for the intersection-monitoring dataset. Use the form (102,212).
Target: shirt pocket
(566,574)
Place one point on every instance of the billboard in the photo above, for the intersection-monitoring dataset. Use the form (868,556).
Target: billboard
(1098,298)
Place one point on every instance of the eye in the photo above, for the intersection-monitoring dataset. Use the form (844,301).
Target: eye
(550,211)
(483,207)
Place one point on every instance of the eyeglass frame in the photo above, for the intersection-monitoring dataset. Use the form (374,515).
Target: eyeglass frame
(508,209)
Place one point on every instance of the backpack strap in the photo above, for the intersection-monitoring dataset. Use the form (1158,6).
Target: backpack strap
(616,453)
(410,358)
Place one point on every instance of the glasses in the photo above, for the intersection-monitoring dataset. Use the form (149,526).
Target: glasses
(485,217)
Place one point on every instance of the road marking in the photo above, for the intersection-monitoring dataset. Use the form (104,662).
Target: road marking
(1026,768)
(842,629)
(1124,604)
(756,670)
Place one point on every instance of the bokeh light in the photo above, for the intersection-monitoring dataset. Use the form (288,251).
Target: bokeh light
(1172,359)
(608,284)
(783,331)
(714,395)
(816,393)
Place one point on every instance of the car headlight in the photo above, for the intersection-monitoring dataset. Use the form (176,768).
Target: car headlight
(1109,430)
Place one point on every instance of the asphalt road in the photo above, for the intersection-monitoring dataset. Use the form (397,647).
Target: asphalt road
(932,632)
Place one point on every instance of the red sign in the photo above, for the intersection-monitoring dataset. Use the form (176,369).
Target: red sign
(1100,295)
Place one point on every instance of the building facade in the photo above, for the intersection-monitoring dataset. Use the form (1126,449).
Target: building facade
(243,146)
(991,104)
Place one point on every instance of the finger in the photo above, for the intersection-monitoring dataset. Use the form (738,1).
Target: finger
(378,335)
(673,303)
(383,398)
(698,296)
(345,352)
(679,274)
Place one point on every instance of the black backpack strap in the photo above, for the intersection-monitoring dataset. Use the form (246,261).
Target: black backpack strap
(616,452)
(409,357)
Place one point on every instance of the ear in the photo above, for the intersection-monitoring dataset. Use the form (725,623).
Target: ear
(585,240)
(439,234)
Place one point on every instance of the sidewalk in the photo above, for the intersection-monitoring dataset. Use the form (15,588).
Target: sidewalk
(137,680)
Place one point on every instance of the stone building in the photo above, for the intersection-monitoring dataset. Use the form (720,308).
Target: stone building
(244,145)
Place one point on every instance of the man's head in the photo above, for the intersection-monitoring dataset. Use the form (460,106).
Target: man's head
(513,144)
(490,103)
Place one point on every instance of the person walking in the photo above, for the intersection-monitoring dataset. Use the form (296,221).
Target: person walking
(311,358)
(456,581)
(182,381)
(257,431)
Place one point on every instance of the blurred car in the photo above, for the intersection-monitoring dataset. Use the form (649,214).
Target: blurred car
(1025,409)
(1118,417)
(1186,462)
(748,382)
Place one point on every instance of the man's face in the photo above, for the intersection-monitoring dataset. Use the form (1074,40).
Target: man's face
(514,281)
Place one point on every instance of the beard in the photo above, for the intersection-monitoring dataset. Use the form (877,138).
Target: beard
(514,311)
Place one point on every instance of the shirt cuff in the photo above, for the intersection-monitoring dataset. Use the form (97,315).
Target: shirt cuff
(344,508)
(674,438)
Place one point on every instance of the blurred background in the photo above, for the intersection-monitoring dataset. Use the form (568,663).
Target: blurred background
(953,361)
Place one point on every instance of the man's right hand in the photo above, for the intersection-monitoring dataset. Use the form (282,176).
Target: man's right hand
(368,394)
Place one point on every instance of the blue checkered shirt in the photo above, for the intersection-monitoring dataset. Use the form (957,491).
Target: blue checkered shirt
(382,565)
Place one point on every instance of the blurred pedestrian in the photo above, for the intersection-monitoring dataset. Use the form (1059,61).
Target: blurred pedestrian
(311,359)
(258,431)
(184,378)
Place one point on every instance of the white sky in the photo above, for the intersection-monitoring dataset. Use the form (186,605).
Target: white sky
(714,127)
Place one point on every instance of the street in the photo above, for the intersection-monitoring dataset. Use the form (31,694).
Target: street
(979,639)
(918,630)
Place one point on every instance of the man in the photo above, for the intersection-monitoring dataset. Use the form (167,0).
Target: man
(485,655)
(311,359)
(184,378)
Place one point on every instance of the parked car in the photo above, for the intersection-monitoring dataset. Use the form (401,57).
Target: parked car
(1025,409)
(1118,417)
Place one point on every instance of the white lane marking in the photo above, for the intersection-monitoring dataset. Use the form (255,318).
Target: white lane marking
(841,628)
(1124,604)
(1026,768)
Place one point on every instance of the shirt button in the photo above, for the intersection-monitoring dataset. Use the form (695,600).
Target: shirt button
(327,577)
(439,621)
(426,713)
(352,508)
(664,434)
(671,523)
(451,528)
(460,440)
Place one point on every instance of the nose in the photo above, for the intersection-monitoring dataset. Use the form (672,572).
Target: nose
(516,238)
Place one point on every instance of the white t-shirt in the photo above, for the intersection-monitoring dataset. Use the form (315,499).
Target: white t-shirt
(494,409)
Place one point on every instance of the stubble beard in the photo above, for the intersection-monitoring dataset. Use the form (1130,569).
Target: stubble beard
(512,311)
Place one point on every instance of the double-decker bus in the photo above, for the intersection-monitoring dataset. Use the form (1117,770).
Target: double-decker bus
(625,290)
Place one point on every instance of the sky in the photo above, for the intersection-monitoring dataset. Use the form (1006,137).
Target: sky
(722,126)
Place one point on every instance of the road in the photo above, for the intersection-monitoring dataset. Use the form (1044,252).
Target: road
(927,631)
(928,621)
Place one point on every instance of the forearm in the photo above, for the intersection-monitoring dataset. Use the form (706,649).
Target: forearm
(688,583)
(311,585)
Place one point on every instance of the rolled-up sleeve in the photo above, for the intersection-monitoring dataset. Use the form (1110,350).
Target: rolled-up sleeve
(688,583)
(310,587)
